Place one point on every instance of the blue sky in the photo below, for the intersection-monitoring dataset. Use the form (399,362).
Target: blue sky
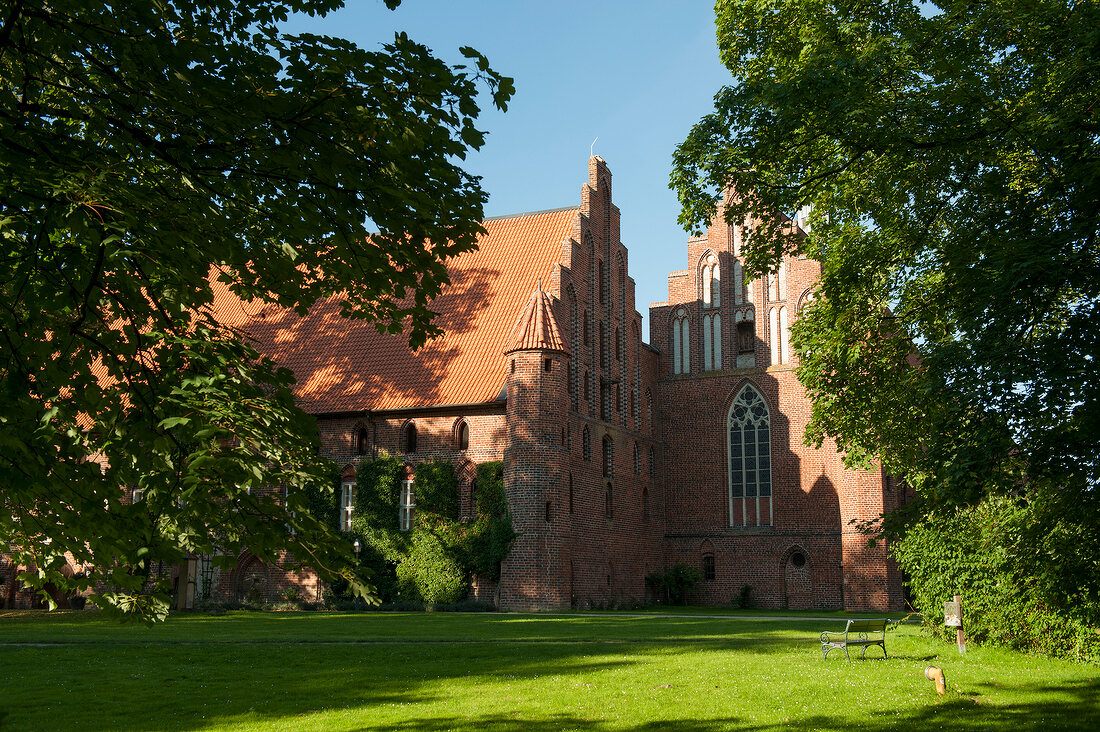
(634,74)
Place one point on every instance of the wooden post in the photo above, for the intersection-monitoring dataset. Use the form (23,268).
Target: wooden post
(952,618)
(960,634)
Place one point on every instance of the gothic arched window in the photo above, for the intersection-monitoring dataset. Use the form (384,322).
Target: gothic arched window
(681,343)
(463,436)
(410,437)
(712,342)
(750,460)
(712,282)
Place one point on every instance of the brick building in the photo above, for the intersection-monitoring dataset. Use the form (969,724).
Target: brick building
(620,457)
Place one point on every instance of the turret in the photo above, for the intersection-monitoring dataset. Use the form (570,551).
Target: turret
(537,363)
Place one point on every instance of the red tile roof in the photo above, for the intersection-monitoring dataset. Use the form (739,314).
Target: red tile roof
(347,365)
(537,328)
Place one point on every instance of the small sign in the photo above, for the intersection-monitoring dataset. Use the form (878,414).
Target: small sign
(952,614)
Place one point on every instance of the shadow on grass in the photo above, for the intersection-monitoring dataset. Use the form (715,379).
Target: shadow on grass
(416,672)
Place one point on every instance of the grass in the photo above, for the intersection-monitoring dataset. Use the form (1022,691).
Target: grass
(595,671)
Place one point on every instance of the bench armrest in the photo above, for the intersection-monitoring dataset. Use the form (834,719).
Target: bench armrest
(841,635)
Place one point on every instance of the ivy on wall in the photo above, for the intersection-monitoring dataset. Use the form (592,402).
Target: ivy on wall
(434,562)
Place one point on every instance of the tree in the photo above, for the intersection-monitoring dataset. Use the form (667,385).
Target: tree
(950,152)
(151,151)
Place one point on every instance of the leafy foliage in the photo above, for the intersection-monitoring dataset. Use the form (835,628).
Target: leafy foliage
(435,561)
(151,152)
(997,555)
(674,582)
(950,154)
(950,160)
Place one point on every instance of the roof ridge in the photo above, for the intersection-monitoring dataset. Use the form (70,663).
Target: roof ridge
(531,213)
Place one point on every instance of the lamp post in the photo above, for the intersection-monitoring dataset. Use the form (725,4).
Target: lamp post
(357,546)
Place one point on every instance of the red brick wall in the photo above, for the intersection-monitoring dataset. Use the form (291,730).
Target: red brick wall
(814,496)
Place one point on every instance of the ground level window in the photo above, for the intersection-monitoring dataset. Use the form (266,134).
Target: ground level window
(708,567)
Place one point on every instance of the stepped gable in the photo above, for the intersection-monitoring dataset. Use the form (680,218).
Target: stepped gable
(537,328)
(344,365)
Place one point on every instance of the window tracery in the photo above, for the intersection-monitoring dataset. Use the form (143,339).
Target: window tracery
(749,450)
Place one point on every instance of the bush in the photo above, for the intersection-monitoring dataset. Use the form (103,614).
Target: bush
(434,562)
(674,582)
(1012,582)
(430,572)
(744,598)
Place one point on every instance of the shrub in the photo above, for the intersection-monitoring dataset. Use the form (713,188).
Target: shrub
(434,562)
(744,597)
(430,572)
(674,582)
(1012,583)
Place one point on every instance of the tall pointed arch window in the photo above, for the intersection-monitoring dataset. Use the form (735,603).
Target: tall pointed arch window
(681,343)
(712,282)
(750,460)
(712,342)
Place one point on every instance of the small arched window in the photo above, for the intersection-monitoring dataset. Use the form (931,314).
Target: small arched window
(708,568)
(410,437)
(463,436)
(608,456)
(362,441)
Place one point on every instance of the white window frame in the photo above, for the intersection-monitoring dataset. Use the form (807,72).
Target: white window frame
(347,504)
(406,507)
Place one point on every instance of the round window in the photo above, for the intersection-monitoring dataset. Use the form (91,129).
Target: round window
(798,559)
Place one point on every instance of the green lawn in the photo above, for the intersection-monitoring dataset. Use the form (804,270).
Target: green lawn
(597,671)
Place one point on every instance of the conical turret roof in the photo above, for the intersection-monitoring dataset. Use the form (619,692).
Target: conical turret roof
(537,328)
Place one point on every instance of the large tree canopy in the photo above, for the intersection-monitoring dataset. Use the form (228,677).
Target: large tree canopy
(951,155)
(146,147)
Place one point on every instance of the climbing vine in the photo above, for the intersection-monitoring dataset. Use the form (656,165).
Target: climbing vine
(435,561)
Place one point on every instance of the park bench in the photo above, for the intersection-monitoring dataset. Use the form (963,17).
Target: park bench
(860,633)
